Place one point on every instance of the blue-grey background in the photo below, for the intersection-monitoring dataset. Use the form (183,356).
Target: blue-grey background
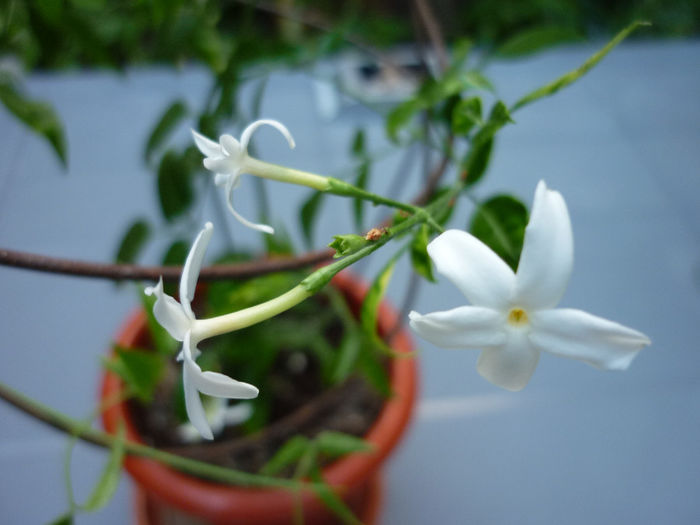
(577,446)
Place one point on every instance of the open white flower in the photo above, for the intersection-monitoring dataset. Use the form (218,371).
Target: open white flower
(512,317)
(228,159)
(178,319)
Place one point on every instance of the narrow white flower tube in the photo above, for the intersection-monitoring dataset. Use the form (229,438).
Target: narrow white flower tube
(512,317)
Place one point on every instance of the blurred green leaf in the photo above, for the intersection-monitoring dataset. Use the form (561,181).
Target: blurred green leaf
(288,454)
(65,519)
(167,122)
(176,253)
(500,223)
(577,73)
(139,369)
(477,160)
(37,115)
(331,500)
(133,242)
(536,39)
(308,213)
(400,116)
(419,253)
(466,115)
(347,355)
(335,444)
(358,204)
(358,144)
(174,186)
(109,479)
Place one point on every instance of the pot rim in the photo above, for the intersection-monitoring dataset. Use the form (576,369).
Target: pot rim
(217,501)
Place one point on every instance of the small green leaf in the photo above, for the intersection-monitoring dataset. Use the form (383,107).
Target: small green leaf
(466,115)
(140,370)
(477,160)
(475,80)
(347,244)
(335,444)
(109,480)
(176,254)
(133,241)
(288,454)
(358,204)
(400,116)
(358,144)
(174,186)
(308,213)
(170,118)
(419,253)
(577,73)
(536,39)
(500,223)
(37,115)
(347,354)
(331,500)
(65,519)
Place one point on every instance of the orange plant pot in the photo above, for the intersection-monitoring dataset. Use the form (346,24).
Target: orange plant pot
(163,491)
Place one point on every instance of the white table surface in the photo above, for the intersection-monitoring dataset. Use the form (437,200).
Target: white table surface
(577,446)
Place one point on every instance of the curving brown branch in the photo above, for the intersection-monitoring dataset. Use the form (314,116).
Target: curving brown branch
(121,272)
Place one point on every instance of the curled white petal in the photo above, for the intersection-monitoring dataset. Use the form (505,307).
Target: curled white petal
(248,132)
(207,146)
(580,335)
(474,268)
(548,252)
(510,365)
(168,312)
(462,327)
(231,185)
(210,383)
(221,165)
(193,264)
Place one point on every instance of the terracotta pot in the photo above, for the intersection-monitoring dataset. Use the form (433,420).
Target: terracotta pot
(164,493)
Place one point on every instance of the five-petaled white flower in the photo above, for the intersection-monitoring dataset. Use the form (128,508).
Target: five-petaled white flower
(228,160)
(178,319)
(512,317)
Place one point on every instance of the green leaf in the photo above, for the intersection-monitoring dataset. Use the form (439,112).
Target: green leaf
(536,39)
(358,204)
(308,213)
(572,76)
(133,241)
(109,480)
(419,253)
(348,352)
(174,186)
(500,223)
(170,118)
(37,115)
(288,454)
(176,254)
(400,116)
(140,370)
(65,519)
(331,500)
(336,444)
(466,115)
(475,80)
(358,144)
(477,160)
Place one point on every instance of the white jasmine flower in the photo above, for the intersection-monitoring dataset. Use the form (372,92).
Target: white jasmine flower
(512,317)
(219,415)
(178,319)
(228,160)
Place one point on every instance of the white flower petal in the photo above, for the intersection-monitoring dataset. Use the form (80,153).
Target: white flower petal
(511,365)
(230,186)
(548,252)
(462,327)
(474,268)
(580,335)
(221,165)
(248,132)
(193,264)
(193,403)
(168,312)
(220,179)
(230,146)
(220,385)
(207,146)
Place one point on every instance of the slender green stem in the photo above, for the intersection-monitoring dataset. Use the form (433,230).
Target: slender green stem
(75,427)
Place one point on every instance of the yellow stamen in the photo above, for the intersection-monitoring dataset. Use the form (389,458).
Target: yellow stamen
(517,317)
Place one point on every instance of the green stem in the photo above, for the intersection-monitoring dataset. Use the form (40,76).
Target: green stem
(74,427)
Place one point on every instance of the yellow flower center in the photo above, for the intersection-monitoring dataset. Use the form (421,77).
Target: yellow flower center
(517,317)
